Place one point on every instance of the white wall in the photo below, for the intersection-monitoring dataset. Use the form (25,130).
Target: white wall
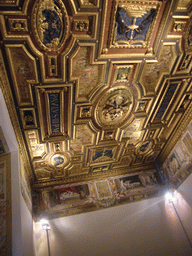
(27,230)
(22,224)
(145,228)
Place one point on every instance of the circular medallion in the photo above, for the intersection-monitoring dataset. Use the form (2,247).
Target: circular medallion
(114,107)
(58,160)
(50,22)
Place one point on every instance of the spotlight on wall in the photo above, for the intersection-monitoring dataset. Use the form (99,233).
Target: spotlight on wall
(171,196)
(45,225)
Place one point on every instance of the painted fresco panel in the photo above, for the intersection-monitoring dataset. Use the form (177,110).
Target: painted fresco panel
(103,189)
(129,185)
(2,181)
(187,141)
(173,163)
(62,200)
(178,164)
(3,145)
(2,149)
(3,228)
(5,205)
(90,196)
(182,153)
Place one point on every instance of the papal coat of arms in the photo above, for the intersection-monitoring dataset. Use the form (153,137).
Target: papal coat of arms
(133,24)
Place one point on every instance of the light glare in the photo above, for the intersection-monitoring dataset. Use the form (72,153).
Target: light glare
(44,224)
(170,196)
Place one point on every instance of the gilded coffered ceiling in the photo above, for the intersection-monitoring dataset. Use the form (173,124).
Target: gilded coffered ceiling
(96,89)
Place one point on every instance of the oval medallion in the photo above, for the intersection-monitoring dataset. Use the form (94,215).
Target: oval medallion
(50,22)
